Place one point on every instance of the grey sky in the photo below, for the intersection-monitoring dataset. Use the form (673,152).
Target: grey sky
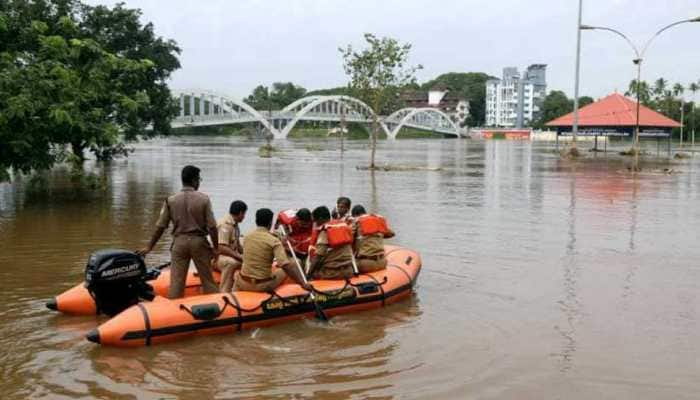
(232,46)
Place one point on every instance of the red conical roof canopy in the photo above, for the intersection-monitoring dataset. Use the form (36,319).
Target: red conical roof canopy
(615,110)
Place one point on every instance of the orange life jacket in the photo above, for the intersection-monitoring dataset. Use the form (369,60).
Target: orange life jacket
(339,233)
(299,237)
(371,224)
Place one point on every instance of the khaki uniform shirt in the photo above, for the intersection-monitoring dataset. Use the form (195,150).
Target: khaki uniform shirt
(229,233)
(190,211)
(367,246)
(259,250)
(339,257)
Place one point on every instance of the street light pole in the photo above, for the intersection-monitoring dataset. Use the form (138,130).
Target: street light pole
(638,61)
(576,79)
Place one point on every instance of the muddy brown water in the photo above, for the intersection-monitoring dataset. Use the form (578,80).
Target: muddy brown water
(542,278)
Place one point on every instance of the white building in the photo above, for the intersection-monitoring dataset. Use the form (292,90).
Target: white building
(440,97)
(515,101)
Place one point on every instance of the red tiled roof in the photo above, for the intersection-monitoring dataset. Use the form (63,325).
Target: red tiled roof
(615,110)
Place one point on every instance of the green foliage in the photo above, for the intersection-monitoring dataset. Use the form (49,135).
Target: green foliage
(584,101)
(555,105)
(470,85)
(377,73)
(282,94)
(91,78)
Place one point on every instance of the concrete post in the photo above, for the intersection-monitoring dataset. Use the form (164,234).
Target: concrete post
(182,104)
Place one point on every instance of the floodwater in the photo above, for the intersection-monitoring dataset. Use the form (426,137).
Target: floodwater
(542,278)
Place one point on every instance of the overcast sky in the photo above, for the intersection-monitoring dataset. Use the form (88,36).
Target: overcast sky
(232,46)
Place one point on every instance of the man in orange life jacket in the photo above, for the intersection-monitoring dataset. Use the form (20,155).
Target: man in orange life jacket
(259,249)
(369,231)
(342,209)
(331,254)
(299,228)
(230,248)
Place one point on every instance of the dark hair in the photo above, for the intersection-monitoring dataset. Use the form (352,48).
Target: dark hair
(237,207)
(263,217)
(358,210)
(343,199)
(304,214)
(321,214)
(189,174)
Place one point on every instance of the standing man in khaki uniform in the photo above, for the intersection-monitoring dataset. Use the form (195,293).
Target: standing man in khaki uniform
(369,232)
(260,248)
(333,247)
(230,249)
(192,217)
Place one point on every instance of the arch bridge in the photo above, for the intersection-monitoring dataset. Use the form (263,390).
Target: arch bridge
(207,108)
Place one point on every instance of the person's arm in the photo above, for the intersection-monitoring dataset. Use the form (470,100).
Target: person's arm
(227,250)
(214,235)
(290,267)
(321,251)
(161,226)
(211,227)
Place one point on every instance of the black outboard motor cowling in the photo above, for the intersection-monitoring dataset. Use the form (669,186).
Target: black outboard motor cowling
(116,279)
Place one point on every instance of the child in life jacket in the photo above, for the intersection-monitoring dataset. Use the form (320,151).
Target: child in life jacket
(369,231)
(342,209)
(298,228)
(331,251)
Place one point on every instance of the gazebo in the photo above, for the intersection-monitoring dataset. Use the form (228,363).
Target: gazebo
(615,115)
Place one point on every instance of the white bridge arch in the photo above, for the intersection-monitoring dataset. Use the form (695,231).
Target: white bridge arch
(425,118)
(206,108)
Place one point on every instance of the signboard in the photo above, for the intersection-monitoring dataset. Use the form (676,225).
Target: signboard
(622,131)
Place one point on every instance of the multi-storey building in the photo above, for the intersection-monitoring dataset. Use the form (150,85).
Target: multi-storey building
(516,101)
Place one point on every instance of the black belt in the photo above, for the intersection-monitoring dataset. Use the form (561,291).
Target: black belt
(254,281)
(373,258)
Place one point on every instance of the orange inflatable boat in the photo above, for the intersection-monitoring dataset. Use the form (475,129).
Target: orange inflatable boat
(163,320)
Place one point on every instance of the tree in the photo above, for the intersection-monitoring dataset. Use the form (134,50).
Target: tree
(470,85)
(660,87)
(644,92)
(554,105)
(376,73)
(282,94)
(584,101)
(78,76)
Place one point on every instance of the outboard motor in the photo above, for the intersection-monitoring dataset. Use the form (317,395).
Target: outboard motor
(116,279)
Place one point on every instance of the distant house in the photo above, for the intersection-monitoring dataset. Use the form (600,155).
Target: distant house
(440,97)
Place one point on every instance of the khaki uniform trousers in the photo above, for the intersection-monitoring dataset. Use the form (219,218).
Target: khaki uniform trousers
(344,272)
(186,248)
(368,265)
(243,285)
(227,266)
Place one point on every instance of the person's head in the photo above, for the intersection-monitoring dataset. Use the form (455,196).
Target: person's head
(190,176)
(238,210)
(321,215)
(304,218)
(358,210)
(263,218)
(342,205)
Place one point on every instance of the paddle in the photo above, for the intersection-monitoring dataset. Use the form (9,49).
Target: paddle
(319,312)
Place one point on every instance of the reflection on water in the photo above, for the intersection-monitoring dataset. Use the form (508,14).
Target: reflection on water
(542,278)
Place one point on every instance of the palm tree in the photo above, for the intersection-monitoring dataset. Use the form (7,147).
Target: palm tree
(693,87)
(660,87)
(678,90)
(644,91)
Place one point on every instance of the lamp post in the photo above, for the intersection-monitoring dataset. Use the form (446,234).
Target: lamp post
(638,62)
(574,128)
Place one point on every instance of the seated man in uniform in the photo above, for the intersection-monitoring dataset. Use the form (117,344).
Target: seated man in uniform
(369,231)
(333,247)
(298,228)
(342,209)
(230,249)
(259,249)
